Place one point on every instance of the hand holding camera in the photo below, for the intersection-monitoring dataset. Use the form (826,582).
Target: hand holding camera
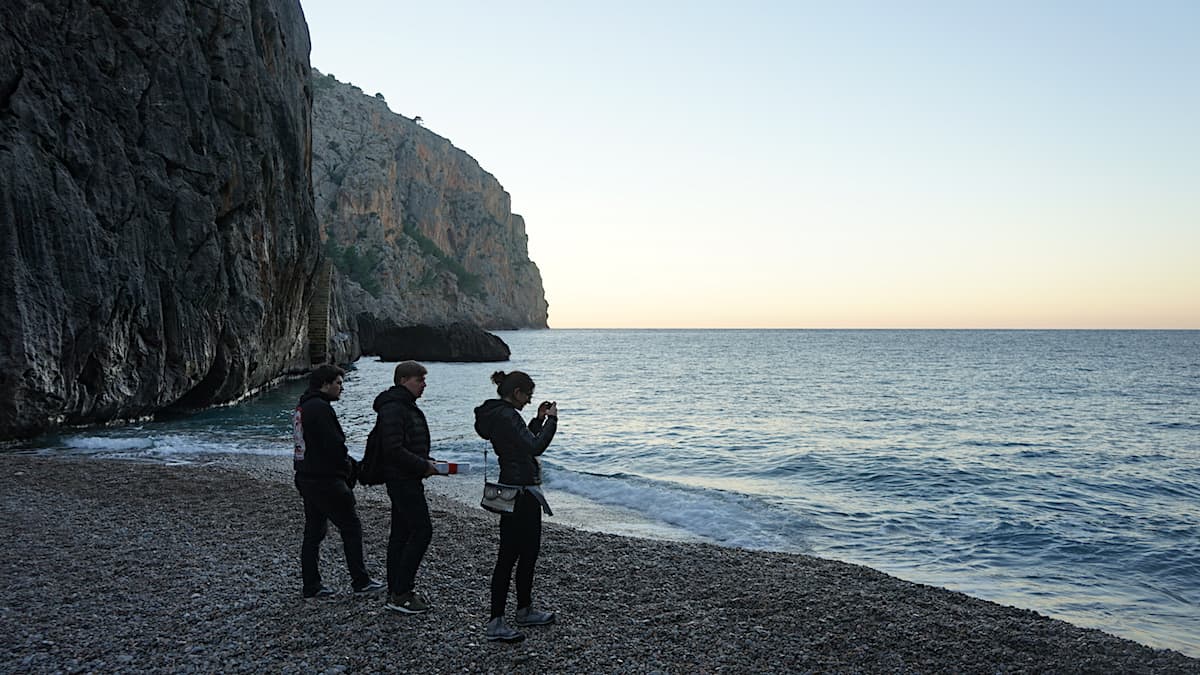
(548,408)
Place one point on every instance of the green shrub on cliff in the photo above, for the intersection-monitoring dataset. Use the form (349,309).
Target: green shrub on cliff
(358,266)
(468,283)
(323,82)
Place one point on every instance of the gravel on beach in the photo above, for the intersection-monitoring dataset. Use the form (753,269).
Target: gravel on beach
(124,566)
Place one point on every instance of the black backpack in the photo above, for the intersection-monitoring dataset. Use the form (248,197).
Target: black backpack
(370,469)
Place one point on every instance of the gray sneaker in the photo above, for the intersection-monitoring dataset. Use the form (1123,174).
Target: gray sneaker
(407,603)
(372,586)
(528,616)
(498,631)
(321,593)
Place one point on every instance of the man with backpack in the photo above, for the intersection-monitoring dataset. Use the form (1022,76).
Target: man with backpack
(325,477)
(402,437)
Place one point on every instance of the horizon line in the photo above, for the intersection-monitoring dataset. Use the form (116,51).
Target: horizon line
(861,328)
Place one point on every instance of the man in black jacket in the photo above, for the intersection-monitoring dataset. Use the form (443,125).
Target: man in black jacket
(324,477)
(404,440)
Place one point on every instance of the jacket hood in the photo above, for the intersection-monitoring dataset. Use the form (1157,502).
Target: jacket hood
(394,394)
(487,414)
(310,394)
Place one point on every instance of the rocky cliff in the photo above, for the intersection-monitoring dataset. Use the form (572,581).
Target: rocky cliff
(419,232)
(157,237)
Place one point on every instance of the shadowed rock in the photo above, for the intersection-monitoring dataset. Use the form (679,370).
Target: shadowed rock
(456,342)
(157,237)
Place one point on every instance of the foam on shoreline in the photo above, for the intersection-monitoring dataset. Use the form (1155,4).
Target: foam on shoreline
(569,509)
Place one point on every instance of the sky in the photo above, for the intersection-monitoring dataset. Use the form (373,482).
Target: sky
(889,164)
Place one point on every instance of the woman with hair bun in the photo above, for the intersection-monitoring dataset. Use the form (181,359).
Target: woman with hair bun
(517,448)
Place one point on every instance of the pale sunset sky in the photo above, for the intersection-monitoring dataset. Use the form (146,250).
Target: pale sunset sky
(885,164)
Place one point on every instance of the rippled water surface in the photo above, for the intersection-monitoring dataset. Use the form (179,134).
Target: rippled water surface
(1056,470)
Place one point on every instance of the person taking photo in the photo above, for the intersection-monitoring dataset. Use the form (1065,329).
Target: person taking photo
(517,448)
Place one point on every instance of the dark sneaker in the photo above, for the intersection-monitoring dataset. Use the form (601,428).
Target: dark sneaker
(373,586)
(407,603)
(498,631)
(528,616)
(320,594)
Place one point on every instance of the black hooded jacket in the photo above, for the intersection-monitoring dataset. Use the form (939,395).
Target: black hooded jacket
(517,446)
(320,444)
(404,434)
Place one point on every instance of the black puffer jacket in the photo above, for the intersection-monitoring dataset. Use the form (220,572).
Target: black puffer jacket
(320,444)
(404,434)
(516,445)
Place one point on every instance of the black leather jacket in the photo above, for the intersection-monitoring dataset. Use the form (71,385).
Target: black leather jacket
(404,434)
(516,445)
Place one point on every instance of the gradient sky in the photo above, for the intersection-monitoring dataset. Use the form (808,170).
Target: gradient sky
(890,164)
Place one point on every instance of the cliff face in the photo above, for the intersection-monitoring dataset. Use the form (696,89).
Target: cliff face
(420,233)
(156,227)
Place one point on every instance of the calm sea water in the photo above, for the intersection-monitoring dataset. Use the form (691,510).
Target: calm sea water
(1053,470)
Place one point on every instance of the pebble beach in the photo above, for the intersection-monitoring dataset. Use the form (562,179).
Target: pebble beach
(124,566)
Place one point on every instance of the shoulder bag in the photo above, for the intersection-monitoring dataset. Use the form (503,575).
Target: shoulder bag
(497,497)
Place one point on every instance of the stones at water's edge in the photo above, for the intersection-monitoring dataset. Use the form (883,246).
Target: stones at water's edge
(157,237)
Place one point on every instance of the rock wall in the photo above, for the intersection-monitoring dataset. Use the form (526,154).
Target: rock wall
(157,236)
(421,233)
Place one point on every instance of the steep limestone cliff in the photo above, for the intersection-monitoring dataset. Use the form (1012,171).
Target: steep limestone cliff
(420,233)
(157,237)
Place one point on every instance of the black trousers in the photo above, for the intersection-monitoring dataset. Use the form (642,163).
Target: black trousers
(412,530)
(520,542)
(329,499)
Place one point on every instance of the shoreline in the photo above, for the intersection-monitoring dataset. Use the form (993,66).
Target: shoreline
(116,565)
(570,510)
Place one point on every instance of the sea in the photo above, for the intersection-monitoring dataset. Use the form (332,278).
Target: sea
(1057,471)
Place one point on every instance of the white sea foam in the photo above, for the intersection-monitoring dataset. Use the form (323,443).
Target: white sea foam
(95,444)
(170,446)
(720,517)
(194,445)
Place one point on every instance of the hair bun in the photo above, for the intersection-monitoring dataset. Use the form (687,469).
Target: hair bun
(498,377)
